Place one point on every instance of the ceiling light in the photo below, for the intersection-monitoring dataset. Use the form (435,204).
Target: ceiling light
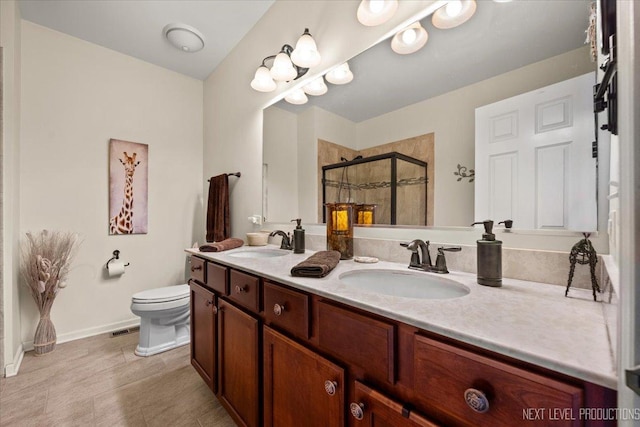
(446,17)
(409,40)
(340,75)
(263,82)
(376,12)
(296,97)
(184,37)
(317,87)
(306,53)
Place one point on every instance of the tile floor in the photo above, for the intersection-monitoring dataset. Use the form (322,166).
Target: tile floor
(98,381)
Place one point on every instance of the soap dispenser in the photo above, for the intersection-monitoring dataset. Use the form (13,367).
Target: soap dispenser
(489,257)
(298,238)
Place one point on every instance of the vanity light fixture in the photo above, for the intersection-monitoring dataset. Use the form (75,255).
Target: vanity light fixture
(340,75)
(317,87)
(376,12)
(184,37)
(454,13)
(296,97)
(409,40)
(289,64)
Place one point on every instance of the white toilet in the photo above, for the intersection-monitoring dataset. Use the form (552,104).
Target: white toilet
(164,318)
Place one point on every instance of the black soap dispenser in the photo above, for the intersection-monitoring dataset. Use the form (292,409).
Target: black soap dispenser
(489,257)
(298,238)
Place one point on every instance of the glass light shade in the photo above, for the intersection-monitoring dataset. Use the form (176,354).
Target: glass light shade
(340,228)
(453,8)
(297,97)
(262,81)
(282,69)
(441,19)
(376,12)
(317,87)
(340,75)
(409,40)
(306,53)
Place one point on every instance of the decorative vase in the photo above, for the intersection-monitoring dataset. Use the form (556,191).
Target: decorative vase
(44,340)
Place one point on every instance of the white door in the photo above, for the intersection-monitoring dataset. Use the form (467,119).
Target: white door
(533,158)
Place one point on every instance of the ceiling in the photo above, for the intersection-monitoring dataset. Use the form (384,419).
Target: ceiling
(500,37)
(135,27)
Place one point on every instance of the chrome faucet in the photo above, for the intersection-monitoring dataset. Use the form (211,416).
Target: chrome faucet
(418,262)
(286,240)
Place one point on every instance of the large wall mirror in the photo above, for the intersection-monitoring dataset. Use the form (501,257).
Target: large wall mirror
(424,105)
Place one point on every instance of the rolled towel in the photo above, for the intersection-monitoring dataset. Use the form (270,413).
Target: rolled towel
(223,245)
(317,265)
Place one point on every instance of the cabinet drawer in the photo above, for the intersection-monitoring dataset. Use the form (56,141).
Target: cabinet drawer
(217,278)
(446,377)
(245,290)
(358,339)
(287,309)
(197,266)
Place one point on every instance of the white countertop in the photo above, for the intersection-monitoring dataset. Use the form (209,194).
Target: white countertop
(530,321)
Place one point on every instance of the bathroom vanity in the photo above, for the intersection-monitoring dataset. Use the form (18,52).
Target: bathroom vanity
(278,350)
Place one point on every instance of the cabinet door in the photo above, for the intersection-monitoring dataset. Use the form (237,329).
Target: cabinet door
(373,409)
(301,388)
(203,333)
(239,366)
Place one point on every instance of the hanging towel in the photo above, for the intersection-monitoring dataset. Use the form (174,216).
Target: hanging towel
(317,265)
(218,221)
(224,245)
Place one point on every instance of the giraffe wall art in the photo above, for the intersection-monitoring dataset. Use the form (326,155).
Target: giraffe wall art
(128,184)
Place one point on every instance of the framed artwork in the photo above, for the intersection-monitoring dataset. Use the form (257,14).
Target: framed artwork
(128,187)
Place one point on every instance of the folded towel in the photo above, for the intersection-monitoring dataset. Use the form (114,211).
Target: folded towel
(218,219)
(317,265)
(223,245)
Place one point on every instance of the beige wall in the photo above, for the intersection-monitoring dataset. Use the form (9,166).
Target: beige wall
(451,117)
(10,345)
(75,97)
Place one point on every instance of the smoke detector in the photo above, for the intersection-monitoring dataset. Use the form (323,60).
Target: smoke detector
(184,37)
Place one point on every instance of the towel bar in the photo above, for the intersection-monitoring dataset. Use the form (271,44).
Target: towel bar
(238,174)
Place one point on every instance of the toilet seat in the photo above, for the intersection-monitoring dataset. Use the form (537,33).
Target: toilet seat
(164,298)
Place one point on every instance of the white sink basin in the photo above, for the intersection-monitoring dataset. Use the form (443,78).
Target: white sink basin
(261,253)
(408,284)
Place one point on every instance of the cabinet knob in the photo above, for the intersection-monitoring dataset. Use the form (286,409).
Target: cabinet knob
(214,309)
(476,400)
(241,289)
(330,387)
(278,309)
(357,410)
(196,267)
(209,302)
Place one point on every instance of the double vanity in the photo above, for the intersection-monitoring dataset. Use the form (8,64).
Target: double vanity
(382,345)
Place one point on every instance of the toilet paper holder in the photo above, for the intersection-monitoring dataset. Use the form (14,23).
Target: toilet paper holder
(116,255)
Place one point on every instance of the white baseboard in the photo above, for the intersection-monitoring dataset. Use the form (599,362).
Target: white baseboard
(11,369)
(89,332)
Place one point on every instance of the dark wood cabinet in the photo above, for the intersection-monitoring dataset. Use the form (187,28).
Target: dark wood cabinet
(203,333)
(301,388)
(286,309)
(239,364)
(373,409)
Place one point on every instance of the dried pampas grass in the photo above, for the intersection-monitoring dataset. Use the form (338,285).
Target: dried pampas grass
(45,261)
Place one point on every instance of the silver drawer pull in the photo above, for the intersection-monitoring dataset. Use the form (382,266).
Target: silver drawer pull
(196,267)
(330,387)
(278,309)
(357,410)
(241,289)
(476,400)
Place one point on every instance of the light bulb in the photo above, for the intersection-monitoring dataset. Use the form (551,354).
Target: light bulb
(376,12)
(453,8)
(317,87)
(409,36)
(340,75)
(375,6)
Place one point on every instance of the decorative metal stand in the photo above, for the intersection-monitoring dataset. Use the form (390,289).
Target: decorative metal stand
(583,253)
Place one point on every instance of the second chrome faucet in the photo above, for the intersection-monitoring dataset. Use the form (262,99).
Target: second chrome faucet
(422,261)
